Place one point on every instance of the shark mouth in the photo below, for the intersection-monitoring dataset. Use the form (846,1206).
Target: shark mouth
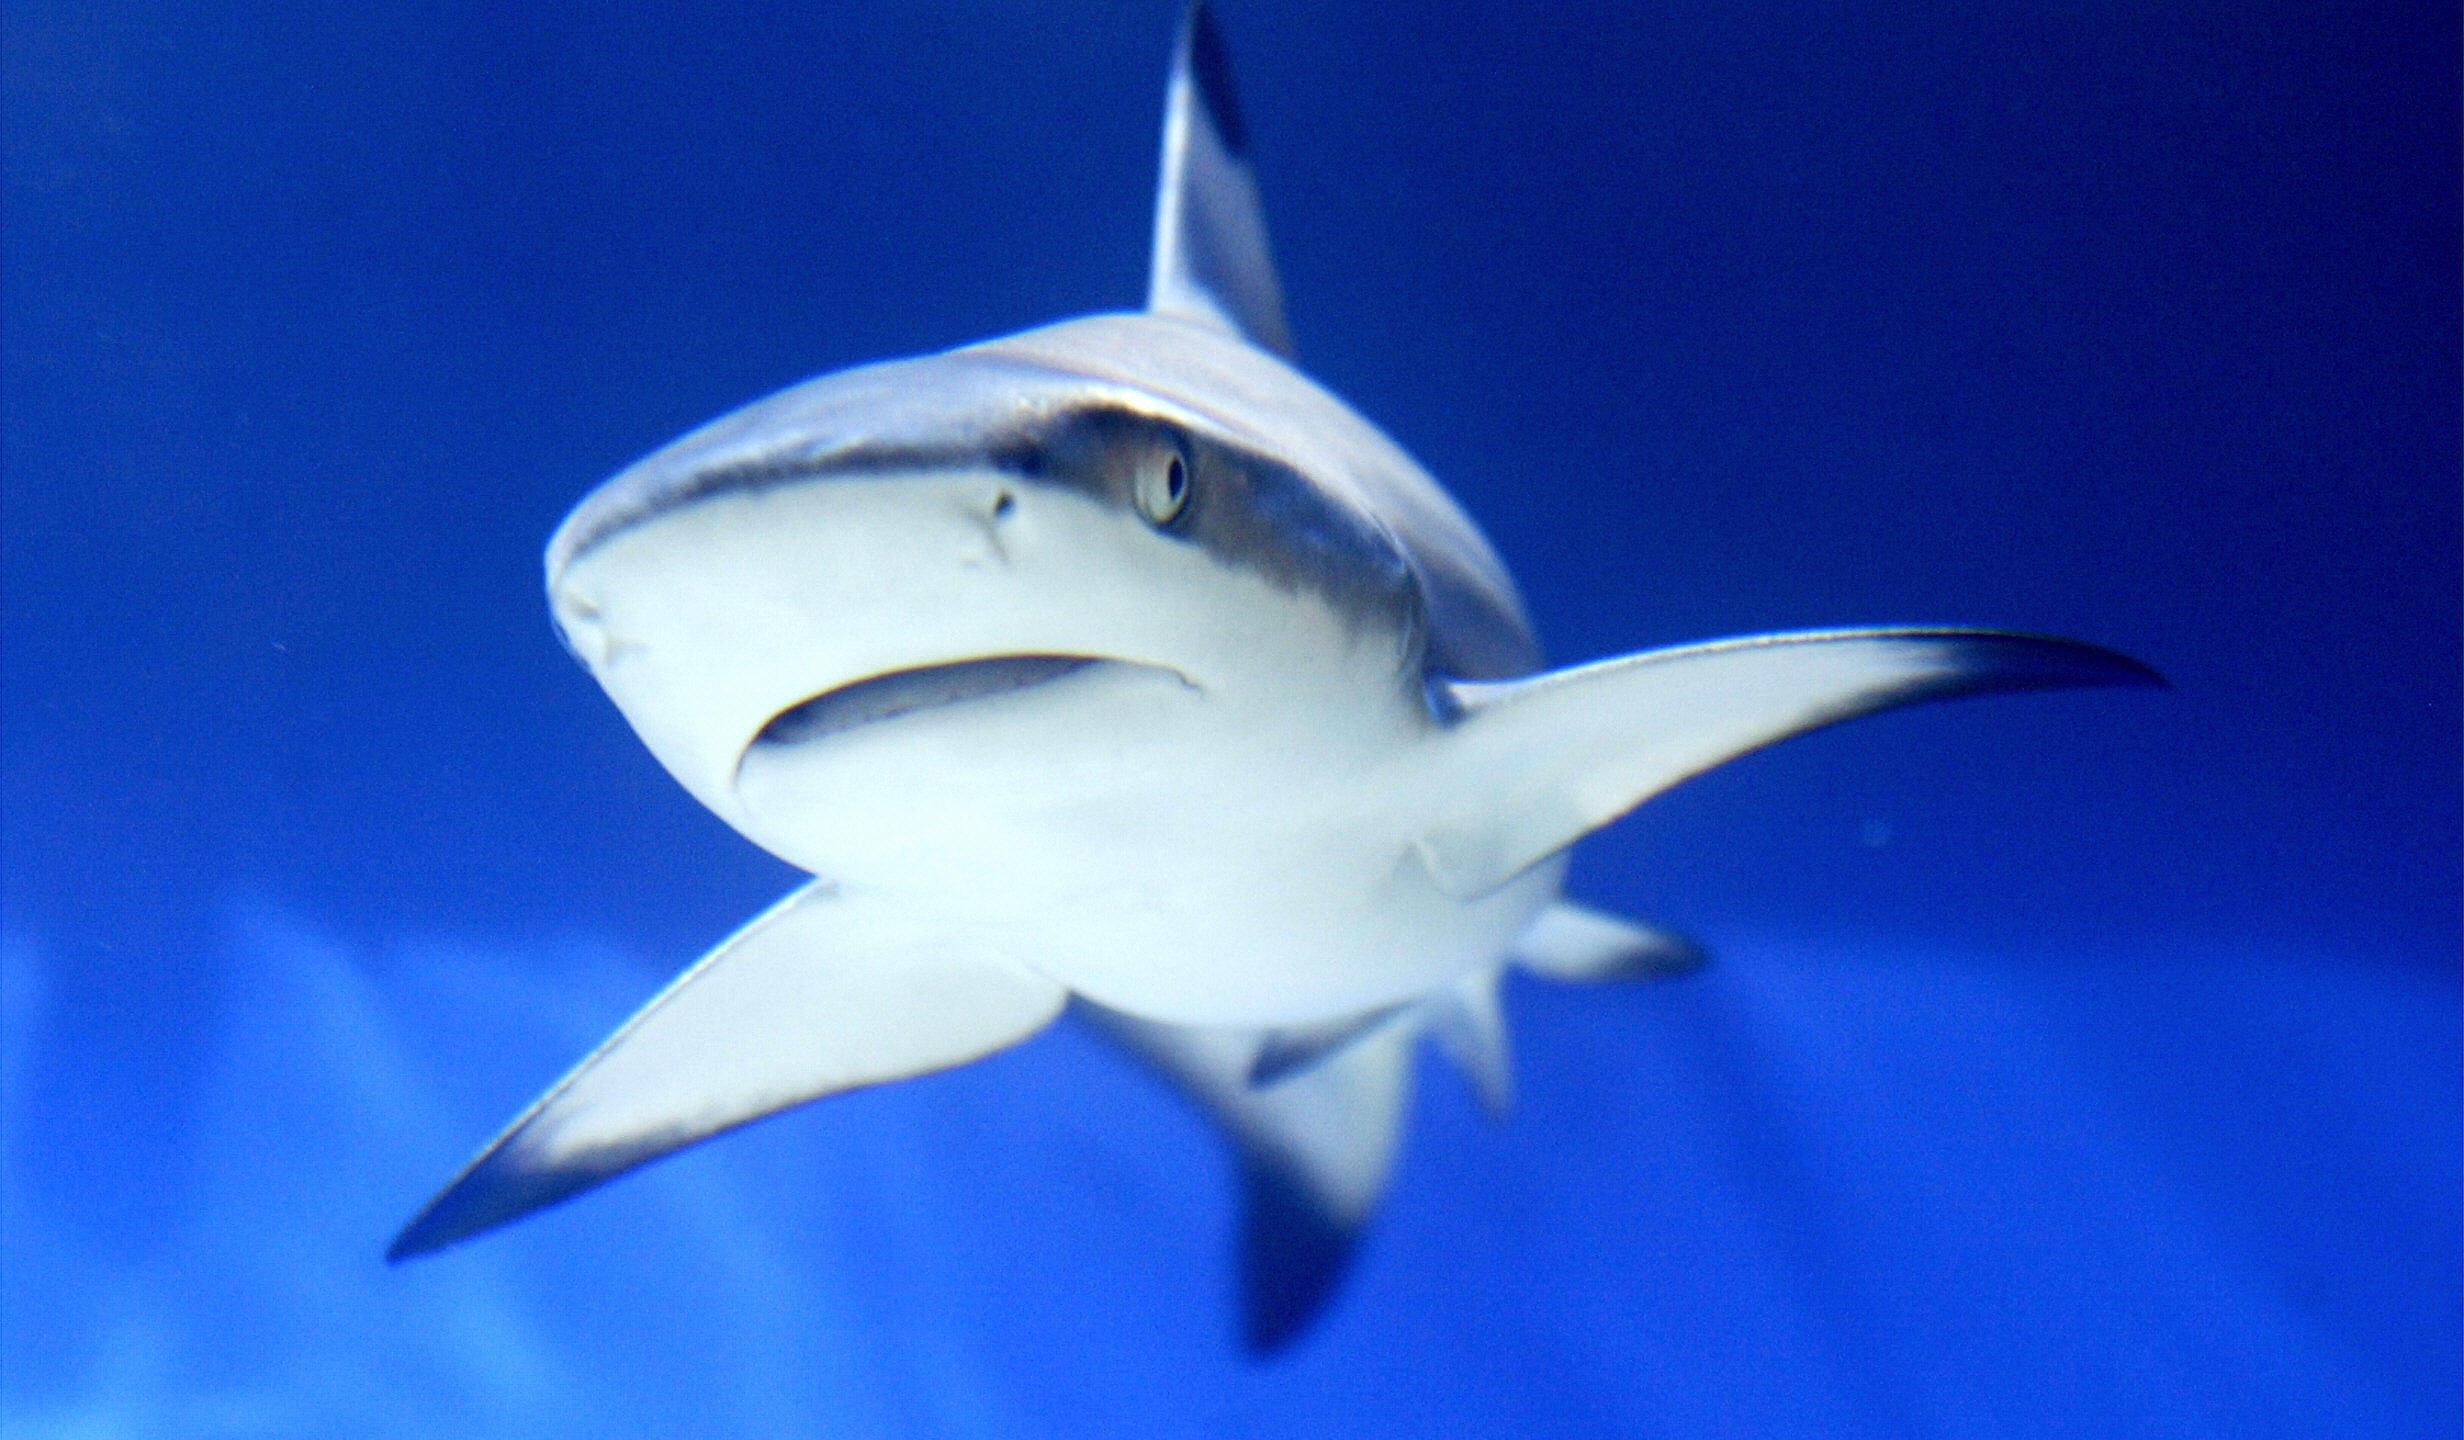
(927,687)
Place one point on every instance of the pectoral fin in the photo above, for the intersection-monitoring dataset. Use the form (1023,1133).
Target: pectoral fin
(825,992)
(1542,762)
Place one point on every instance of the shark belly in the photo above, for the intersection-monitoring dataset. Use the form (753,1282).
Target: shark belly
(1177,854)
(1196,786)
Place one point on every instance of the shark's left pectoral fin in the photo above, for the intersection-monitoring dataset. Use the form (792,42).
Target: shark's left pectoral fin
(1212,264)
(825,992)
(1539,763)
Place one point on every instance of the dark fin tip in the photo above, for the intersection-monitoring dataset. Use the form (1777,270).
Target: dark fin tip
(496,1189)
(1293,1254)
(1683,956)
(436,1227)
(1675,958)
(1287,1053)
(1210,70)
(409,1246)
(1275,1062)
(2051,662)
(1283,1057)
(417,1239)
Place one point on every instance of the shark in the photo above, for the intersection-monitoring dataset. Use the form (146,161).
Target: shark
(1119,666)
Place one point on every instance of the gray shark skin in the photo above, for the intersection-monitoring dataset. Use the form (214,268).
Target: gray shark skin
(1118,664)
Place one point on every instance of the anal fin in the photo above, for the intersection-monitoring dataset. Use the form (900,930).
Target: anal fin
(1316,1149)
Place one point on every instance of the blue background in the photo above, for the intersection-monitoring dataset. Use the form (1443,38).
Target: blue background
(2076,1064)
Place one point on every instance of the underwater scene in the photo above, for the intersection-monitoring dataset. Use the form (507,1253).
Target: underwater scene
(1296,950)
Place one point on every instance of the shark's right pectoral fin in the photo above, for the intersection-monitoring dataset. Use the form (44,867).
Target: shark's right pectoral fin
(1539,763)
(826,991)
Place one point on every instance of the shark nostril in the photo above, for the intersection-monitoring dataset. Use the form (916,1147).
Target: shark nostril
(993,520)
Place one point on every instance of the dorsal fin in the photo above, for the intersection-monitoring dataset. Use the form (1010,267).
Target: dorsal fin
(1212,264)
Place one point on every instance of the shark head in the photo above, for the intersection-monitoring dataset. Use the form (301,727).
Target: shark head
(1130,565)
(989,582)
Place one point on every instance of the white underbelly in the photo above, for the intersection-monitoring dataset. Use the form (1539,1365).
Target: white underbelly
(1153,847)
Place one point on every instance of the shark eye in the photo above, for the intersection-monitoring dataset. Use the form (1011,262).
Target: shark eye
(1162,486)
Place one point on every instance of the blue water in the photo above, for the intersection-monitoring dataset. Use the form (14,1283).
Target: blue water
(2082,1064)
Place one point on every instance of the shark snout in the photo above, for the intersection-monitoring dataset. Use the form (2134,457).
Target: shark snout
(927,604)
(581,625)
(840,550)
